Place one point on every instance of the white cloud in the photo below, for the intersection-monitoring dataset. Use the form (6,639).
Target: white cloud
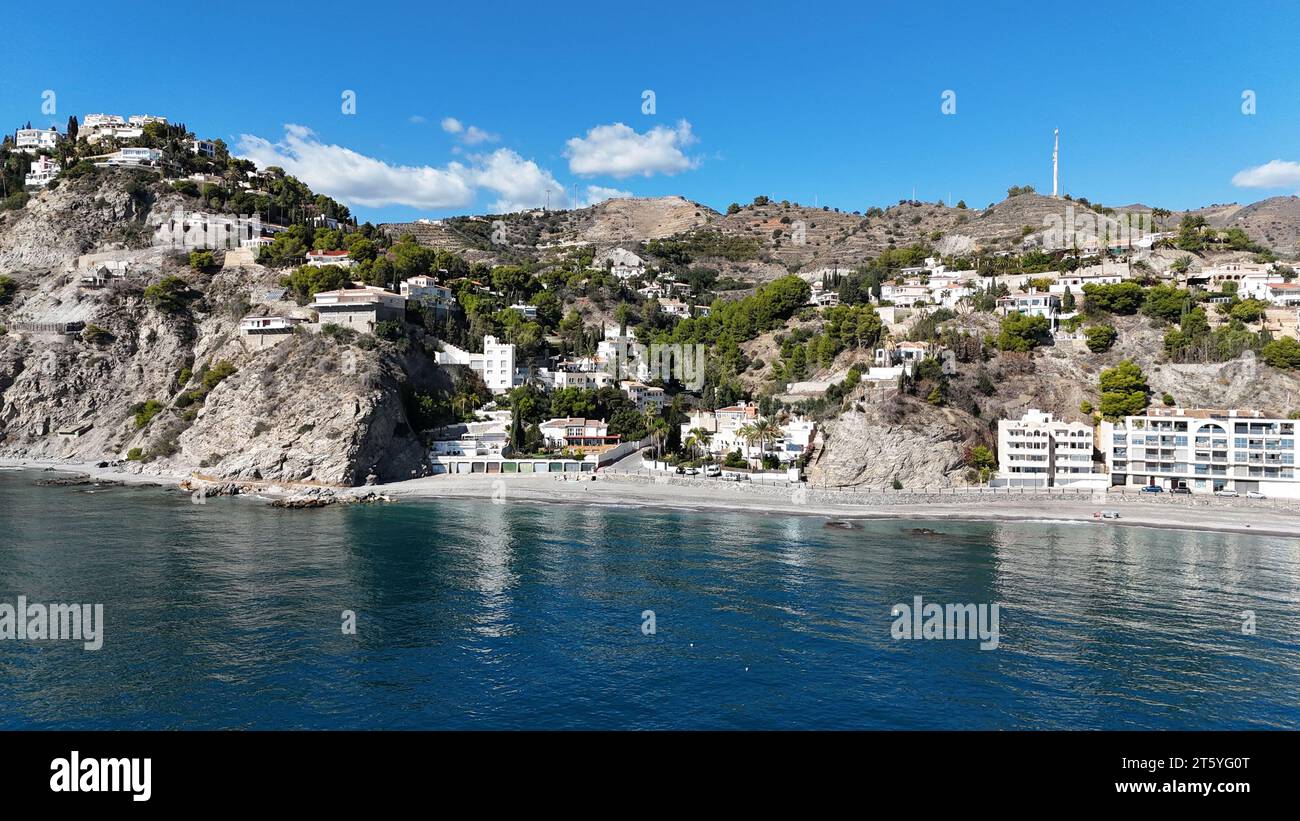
(356,179)
(416,118)
(597,194)
(1274,174)
(468,134)
(521,184)
(619,151)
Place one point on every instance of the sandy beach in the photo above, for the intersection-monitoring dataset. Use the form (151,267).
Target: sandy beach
(623,490)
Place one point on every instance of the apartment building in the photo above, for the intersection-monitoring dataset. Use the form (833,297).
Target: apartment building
(1040,451)
(1203,450)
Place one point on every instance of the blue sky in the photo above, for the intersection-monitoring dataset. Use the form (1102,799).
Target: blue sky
(838,103)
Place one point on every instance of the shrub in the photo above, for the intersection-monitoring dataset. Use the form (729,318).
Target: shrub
(7,289)
(146,411)
(135,455)
(96,335)
(170,296)
(1100,337)
(201,260)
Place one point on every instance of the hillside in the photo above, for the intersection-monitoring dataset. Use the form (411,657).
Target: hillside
(173,382)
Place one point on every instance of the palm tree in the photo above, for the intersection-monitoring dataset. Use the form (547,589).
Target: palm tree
(747,434)
(765,430)
(698,440)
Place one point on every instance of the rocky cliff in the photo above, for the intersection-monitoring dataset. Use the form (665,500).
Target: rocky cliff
(114,373)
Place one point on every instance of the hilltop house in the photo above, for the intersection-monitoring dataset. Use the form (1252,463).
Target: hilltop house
(33,140)
(132,157)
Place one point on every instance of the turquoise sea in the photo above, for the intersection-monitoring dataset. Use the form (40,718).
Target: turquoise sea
(470,614)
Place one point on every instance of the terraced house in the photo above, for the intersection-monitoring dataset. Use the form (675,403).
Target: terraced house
(1204,450)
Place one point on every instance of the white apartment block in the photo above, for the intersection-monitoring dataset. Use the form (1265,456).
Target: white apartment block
(1039,451)
(33,140)
(42,172)
(203,148)
(496,365)
(1204,450)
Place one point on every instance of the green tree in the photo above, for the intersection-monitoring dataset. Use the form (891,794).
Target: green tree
(1124,390)
(1283,352)
(1100,337)
(1022,332)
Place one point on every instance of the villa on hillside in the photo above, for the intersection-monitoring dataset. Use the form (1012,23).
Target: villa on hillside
(318,259)
(359,308)
(32,140)
(496,365)
(42,172)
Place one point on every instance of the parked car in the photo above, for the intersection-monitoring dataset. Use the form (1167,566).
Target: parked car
(712,470)
(1186,490)
(1152,489)
(1227,492)
(1110,514)
(692,471)
(1255,494)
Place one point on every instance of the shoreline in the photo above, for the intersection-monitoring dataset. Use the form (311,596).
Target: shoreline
(623,491)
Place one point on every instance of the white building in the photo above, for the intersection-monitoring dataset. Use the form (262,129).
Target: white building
(319,259)
(724,427)
(33,140)
(527,311)
(42,172)
(426,289)
(581,435)
(621,262)
(359,308)
(645,396)
(132,157)
(1032,303)
(203,148)
(496,365)
(1038,451)
(1203,450)
(98,127)
(583,376)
